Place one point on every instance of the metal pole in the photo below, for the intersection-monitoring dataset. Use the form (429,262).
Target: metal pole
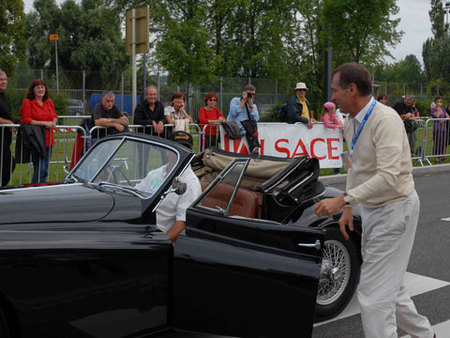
(84,90)
(145,72)
(133,58)
(221,94)
(56,60)
(122,92)
(159,86)
(328,71)
(276,90)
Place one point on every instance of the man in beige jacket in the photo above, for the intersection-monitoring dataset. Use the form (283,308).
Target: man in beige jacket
(380,179)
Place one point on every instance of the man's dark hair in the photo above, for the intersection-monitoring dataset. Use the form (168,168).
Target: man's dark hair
(382,96)
(250,87)
(354,73)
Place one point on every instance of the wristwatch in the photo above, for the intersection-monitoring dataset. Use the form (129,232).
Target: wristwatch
(346,198)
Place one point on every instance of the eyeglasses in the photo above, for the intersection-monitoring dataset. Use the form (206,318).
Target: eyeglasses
(302,90)
(212,100)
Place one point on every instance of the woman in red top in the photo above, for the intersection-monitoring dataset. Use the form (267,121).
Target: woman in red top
(210,115)
(37,109)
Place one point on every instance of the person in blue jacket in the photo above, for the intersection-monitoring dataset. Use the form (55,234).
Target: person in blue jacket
(241,108)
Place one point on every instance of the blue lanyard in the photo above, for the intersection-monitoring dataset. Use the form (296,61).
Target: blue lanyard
(366,117)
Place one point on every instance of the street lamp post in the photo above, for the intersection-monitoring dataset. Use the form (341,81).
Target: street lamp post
(55,37)
(447,9)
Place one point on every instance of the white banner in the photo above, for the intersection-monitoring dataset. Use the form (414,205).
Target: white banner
(292,140)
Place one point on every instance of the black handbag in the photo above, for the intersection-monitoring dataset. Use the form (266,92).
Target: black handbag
(251,132)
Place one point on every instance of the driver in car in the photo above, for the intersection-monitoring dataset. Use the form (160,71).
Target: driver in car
(171,213)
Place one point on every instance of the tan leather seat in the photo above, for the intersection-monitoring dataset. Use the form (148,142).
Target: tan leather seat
(245,202)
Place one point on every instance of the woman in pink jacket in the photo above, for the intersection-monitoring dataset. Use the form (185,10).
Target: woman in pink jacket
(331,121)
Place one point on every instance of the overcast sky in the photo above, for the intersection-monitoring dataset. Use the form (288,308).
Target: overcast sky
(415,22)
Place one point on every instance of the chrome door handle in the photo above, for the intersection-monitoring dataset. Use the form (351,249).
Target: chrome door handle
(315,245)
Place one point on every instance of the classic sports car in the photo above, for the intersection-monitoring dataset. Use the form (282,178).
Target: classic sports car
(83,258)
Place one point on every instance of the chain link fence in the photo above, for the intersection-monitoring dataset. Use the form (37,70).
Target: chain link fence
(81,85)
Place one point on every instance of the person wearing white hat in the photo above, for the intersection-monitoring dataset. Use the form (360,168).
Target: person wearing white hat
(298,109)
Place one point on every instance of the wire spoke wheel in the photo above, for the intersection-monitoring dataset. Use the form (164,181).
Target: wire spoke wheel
(339,274)
(335,273)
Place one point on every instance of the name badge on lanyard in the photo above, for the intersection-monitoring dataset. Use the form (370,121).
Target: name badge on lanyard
(363,123)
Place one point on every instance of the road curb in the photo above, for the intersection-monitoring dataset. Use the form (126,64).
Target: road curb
(417,171)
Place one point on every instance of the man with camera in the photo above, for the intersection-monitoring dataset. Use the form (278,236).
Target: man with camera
(243,108)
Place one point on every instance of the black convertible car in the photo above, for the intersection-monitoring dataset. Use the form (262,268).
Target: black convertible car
(83,258)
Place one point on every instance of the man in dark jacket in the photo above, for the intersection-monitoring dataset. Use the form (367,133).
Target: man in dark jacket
(7,162)
(405,109)
(150,113)
(298,109)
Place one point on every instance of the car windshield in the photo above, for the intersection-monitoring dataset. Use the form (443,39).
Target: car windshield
(142,167)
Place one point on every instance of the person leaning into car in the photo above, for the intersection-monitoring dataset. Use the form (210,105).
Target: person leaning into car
(380,179)
(171,213)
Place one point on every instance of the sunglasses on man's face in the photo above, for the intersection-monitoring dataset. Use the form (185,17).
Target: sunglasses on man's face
(302,90)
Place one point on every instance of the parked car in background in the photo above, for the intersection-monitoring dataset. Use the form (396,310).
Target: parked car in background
(86,259)
(75,107)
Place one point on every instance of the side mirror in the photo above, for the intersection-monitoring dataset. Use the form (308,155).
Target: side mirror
(177,187)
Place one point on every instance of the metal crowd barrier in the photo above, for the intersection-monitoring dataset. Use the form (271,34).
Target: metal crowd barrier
(62,154)
(433,139)
(194,129)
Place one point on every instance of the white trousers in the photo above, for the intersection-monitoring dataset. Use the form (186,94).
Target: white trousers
(387,240)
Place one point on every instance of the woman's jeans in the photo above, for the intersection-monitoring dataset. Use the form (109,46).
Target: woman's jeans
(41,167)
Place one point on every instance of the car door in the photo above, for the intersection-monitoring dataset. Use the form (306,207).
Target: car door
(241,276)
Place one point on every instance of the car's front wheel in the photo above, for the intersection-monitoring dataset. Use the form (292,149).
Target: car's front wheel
(339,274)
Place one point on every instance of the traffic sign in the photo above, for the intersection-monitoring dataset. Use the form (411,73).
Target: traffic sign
(142,35)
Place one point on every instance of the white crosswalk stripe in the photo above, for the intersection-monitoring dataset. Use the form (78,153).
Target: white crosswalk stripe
(416,285)
(446,219)
(441,330)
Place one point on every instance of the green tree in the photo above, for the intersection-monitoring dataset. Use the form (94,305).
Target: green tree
(436,50)
(90,36)
(361,30)
(12,29)
(436,14)
(309,41)
(408,70)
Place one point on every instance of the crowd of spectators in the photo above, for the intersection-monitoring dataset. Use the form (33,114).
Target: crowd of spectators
(38,110)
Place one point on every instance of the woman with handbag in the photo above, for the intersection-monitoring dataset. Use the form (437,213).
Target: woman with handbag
(208,117)
(176,115)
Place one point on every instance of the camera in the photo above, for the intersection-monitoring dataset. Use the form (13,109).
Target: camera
(249,95)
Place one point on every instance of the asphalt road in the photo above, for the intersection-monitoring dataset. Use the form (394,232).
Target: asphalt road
(430,257)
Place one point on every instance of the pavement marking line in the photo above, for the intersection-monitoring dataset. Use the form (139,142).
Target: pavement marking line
(416,285)
(442,330)
(446,219)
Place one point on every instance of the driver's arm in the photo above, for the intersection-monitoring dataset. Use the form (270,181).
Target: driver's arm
(176,230)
